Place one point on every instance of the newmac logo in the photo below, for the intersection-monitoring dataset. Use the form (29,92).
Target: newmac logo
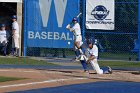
(60,6)
(100,12)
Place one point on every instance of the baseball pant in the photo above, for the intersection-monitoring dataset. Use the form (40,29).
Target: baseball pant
(95,66)
(15,41)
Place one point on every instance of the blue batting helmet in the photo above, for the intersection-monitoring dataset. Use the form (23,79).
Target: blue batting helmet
(14,17)
(2,25)
(74,19)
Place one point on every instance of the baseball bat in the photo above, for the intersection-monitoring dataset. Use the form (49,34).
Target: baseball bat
(78,15)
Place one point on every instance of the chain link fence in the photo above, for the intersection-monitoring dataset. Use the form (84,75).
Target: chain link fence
(118,44)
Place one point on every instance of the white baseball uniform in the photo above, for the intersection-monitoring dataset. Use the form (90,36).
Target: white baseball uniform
(77,33)
(3,36)
(94,62)
(15,39)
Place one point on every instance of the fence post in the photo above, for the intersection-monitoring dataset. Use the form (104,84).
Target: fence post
(83,17)
(139,29)
(25,30)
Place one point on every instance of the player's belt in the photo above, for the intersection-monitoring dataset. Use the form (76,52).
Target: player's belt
(78,35)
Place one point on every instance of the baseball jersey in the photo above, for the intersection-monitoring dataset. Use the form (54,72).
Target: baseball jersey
(77,29)
(93,51)
(15,27)
(3,36)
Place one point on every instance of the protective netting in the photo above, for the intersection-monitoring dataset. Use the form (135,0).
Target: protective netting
(118,44)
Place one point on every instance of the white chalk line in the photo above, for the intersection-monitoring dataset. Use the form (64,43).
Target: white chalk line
(47,72)
(53,72)
(42,82)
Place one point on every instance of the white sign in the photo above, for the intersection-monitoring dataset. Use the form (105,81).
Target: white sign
(100,14)
(11,1)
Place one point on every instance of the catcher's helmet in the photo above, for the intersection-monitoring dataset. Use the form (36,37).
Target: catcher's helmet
(14,17)
(91,41)
(74,19)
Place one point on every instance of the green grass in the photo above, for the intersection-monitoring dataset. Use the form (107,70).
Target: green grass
(117,55)
(32,62)
(120,64)
(22,61)
(4,79)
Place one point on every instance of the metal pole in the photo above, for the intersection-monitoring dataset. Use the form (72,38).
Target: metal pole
(19,14)
(24,29)
(139,29)
(83,17)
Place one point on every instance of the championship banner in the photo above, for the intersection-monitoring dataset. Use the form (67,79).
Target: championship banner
(100,14)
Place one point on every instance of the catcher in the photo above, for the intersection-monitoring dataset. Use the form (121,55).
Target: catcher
(92,54)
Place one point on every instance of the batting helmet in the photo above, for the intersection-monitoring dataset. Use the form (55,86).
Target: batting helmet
(14,17)
(74,19)
(2,25)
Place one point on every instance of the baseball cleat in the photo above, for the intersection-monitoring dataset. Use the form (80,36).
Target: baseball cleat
(76,59)
(86,71)
(109,70)
(85,58)
(82,57)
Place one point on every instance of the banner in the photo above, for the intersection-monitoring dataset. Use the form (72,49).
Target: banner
(46,21)
(11,1)
(100,14)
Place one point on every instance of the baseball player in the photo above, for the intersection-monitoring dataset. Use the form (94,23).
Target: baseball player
(77,34)
(3,38)
(15,36)
(77,42)
(92,55)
